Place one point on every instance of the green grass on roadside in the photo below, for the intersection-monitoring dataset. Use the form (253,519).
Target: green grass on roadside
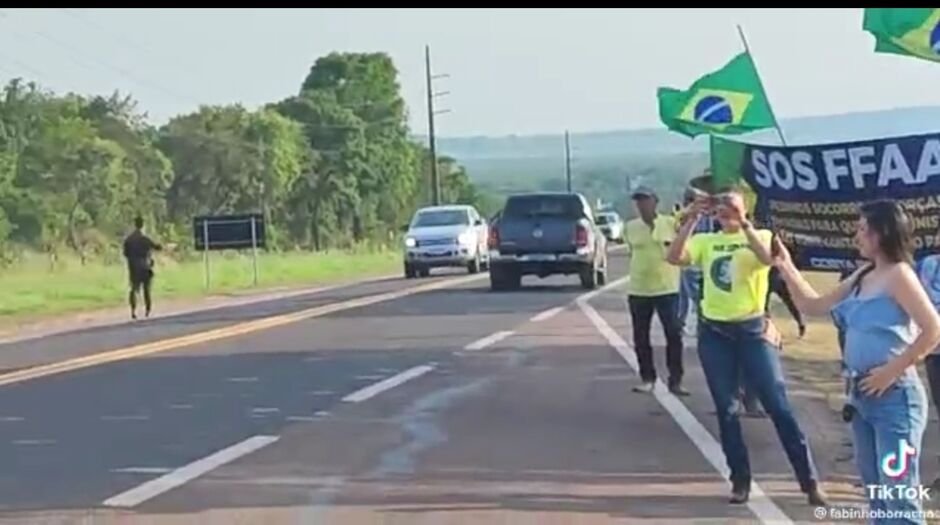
(33,289)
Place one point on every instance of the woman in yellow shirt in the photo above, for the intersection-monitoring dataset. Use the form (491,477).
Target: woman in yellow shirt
(735,333)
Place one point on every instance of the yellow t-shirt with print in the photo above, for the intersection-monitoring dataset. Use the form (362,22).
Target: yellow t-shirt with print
(650,274)
(736,281)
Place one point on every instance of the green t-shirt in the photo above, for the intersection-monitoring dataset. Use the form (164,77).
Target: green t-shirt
(735,280)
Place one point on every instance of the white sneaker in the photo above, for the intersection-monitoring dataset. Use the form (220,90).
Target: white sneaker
(645,388)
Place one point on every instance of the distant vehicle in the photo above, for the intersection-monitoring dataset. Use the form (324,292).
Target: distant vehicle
(445,236)
(611,225)
(546,234)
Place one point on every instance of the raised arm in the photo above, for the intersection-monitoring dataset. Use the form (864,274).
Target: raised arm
(761,250)
(678,255)
(735,205)
(806,298)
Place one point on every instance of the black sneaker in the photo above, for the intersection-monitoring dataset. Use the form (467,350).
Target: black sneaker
(740,493)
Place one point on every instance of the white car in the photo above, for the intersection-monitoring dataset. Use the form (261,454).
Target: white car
(445,236)
(611,225)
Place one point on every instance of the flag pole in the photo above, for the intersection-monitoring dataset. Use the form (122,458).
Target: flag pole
(760,82)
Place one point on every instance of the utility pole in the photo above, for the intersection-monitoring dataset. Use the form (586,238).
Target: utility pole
(568,161)
(435,179)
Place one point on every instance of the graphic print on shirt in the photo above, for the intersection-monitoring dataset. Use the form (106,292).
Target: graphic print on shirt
(721,272)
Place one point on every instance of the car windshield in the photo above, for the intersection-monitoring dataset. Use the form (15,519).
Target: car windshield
(544,206)
(441,218)
(603,219)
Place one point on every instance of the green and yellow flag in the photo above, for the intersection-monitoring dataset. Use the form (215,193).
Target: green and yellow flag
(905,31)
(728,101)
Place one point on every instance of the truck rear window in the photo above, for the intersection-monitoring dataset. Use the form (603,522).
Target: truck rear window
(544,206)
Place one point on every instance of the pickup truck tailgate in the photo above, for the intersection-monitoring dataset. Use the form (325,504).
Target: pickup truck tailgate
(537,235)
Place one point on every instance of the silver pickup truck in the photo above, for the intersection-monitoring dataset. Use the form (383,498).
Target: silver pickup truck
(445,236)
(546,234)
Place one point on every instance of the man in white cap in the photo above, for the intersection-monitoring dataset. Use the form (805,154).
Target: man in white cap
(653,287)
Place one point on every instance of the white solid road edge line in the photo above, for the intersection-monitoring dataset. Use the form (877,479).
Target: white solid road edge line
(180,476)
(761,505)
(547,314)
(377,388)
(489,340)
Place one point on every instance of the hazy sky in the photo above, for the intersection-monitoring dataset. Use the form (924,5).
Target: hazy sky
(512,71)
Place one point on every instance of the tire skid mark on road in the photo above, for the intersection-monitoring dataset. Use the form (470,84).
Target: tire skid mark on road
(419,423)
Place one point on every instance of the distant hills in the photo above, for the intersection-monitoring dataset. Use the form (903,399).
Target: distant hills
(656,142)
(606,164)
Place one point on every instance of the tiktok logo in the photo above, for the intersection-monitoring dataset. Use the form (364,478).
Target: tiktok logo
(896,464)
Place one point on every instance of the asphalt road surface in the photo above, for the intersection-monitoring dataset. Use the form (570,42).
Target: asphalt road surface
(399,401)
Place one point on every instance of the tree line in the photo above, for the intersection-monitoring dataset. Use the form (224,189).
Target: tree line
(331,167)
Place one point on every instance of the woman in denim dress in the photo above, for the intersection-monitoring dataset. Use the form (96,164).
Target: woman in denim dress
(880,309)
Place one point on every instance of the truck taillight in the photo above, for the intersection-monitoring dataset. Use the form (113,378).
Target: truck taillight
(581,236)
(492,241)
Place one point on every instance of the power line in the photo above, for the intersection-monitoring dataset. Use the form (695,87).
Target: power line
(119,37)
(25,66)
(71,50)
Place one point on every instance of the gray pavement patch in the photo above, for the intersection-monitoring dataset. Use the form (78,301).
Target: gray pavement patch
(419,423)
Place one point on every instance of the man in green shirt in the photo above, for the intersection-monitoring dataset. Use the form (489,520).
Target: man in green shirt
(653,287)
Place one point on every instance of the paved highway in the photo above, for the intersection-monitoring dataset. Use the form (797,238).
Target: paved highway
(397,401)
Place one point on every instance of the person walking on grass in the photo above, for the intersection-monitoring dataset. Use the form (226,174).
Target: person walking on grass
(138,250)
(654,287)
(889,325)
(735,333)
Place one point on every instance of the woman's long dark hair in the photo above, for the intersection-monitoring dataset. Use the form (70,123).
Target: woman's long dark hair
(894,228)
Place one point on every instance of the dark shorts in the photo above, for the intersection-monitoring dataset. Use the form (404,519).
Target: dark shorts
(139,274)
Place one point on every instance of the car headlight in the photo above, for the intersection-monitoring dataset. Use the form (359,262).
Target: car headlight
(410,242)
(465,238)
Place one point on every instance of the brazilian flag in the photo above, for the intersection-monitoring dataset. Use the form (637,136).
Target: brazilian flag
(729,101)
(905,31)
